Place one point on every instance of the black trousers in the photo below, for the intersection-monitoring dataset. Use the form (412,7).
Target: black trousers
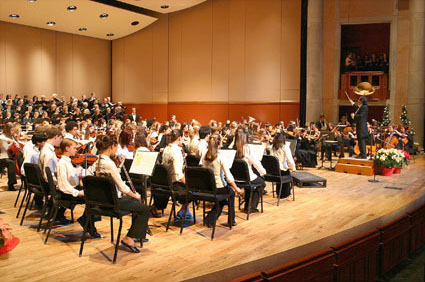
(231,203)
(140,216)
(362,146)
(11,170)
(260,184)
(161,201)
(285,186)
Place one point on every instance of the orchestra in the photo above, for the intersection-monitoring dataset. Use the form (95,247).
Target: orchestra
(95,134)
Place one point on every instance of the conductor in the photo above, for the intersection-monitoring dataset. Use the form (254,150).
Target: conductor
(360,116)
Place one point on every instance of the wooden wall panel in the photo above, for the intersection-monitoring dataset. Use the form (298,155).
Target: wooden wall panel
(64,63)
(262,50)
(137,67)
(237,34)
(218,60)
(220,51)
(160,60)
(204,112)
(36,61)
(47,79)
(290,50)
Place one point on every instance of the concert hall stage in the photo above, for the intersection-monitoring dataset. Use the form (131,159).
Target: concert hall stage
(319,218)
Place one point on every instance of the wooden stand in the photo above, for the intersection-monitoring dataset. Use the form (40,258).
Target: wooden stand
(355,166)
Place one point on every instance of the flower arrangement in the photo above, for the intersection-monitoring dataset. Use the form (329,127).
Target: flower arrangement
(390,158)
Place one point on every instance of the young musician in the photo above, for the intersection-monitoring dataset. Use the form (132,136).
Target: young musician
(127,199)
(32,152)
(68,178)
(194,140)
(125,139)
(243,153)
(212,160)
(174,159)
(204,135)
(286,162)
(6,139)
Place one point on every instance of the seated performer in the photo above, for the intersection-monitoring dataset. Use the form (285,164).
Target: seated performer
(243,152)
(204,135)
(173,157)
(283,153)
(68,178)
(127,199)
(6,140)
(212,160)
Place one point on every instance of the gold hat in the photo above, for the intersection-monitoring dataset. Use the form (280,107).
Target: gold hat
(364,89)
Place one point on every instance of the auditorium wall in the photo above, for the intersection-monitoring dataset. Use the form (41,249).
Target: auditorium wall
(338,12)
(221,59)
(36,61)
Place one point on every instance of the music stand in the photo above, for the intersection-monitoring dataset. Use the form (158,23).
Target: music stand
(85,151)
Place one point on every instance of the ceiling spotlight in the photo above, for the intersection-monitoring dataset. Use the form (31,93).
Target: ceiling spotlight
(110,34)
(32,1)
(82,29)
(50,23)
(135,23)
(71,8)
(165,7)
(14,16)
(103,16)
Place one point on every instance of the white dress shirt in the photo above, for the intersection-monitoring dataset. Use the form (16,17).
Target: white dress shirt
(173,158)
(252,161)
(219,167)
(124,152)
(48,159)
(286,161)
(202,149)
(193,145)
(105,165)
(68,176)
(31,155)
(5,142)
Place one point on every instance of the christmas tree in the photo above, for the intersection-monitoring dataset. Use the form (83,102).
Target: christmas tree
(404,119)
(386,116)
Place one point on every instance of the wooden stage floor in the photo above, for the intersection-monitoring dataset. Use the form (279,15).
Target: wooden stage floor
(319,218)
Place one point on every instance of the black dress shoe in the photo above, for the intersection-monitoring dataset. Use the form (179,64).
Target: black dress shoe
(144,240)
(94,234)
(11,188)
(133,249)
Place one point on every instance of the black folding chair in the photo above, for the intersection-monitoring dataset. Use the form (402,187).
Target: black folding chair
(192,160)
(101,199)
(36,186)
(274,175)
(161,184)
(57,202)
(240,172)
(200,185)
(20,160)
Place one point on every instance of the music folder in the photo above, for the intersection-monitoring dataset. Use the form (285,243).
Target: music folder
(144,163)
(227,156)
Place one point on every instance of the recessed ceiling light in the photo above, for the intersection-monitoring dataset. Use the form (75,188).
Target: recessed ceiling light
(32,1)
(165,7)
(50,23)
(14,16)
(135,23)
(72,8)
(110,34)
(82,29)
(103,16)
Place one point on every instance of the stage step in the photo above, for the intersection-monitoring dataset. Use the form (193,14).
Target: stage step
(355,166)
(354,161)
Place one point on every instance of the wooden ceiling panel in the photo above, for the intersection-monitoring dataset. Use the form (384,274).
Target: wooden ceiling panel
(155,5)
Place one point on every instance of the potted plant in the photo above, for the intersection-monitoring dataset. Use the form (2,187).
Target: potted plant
(388,159)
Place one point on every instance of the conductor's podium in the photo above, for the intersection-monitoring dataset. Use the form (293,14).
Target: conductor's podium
(355,166)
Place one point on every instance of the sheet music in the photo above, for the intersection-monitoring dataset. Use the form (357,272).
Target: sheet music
(257,151)
(144,163)
(227,156)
